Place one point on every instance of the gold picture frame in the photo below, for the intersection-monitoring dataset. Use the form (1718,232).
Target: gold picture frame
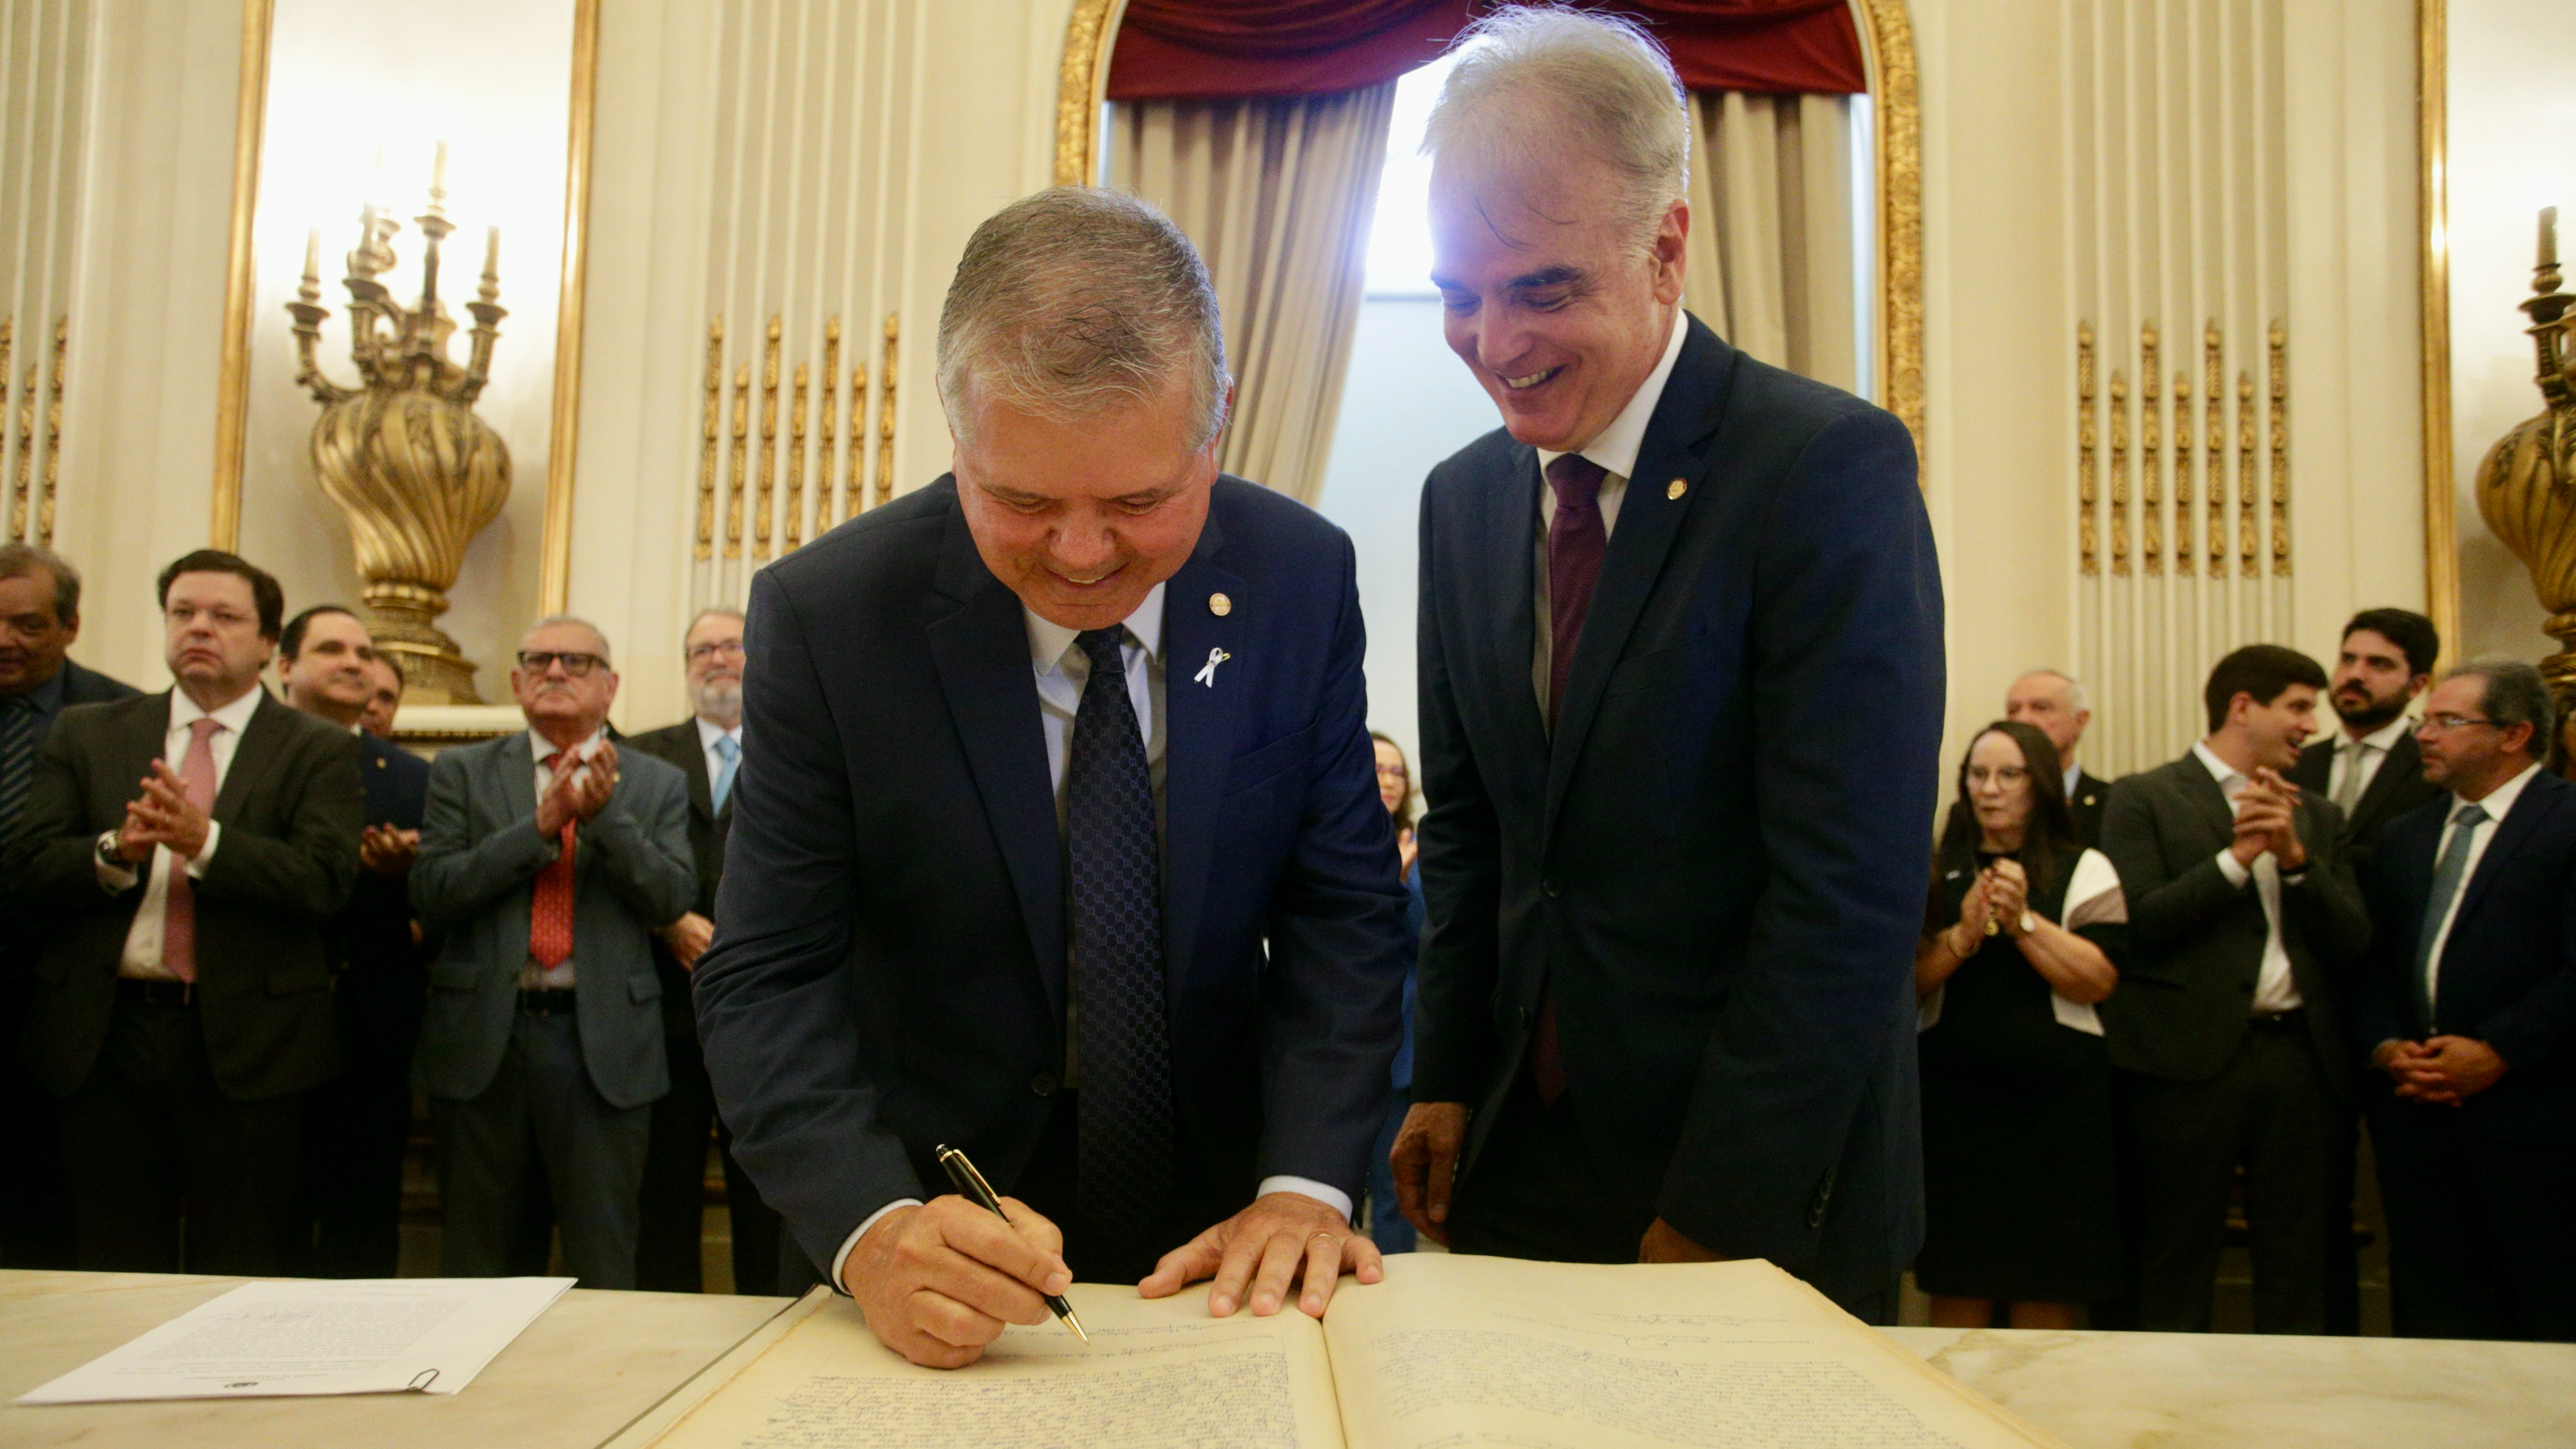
(2441,544)
(1887,34)
(233,378)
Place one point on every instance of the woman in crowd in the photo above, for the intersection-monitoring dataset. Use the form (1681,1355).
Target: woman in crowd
(1395,787)
(2019,937)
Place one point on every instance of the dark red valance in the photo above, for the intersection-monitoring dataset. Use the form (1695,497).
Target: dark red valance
(1234,49)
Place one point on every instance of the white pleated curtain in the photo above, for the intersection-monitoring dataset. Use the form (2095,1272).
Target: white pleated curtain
(1771,229)
(1277,195)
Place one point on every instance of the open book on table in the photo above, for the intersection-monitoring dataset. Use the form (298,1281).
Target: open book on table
(1447,1353)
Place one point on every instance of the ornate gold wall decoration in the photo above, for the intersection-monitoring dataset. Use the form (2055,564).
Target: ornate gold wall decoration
(885,414)
(2248,486)
(2280,452)
(768,442)
(796,458)
(712,427)
(2523,481)
(2151,532)
(2183,459)
(2087,437)
(410,465)
(1082,81)
(741,460)
(18,489)
(854,489)
(2119,474)
(2214,434)
(2432,250)
(824,482)
(53,471)
(8,344)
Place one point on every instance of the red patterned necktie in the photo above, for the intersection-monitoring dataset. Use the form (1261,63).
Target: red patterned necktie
(550,911)
(179,917)
(1576,541)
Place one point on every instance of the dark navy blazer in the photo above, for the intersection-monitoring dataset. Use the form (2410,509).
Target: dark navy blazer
(889,965)
(1720,860)
(2508,974)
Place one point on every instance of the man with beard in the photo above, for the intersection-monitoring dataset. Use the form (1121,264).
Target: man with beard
(708,749)
(2372,771)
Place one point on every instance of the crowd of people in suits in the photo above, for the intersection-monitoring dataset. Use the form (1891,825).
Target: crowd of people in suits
(226,981)
(2148,1004)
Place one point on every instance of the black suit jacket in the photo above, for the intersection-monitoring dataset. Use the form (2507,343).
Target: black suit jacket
(2398,788)
(2508,972)
(382,983)
(2092,796)
(890,957)
(1717,862)
(2196,940)
(291,807)
(88,686)
(707,831)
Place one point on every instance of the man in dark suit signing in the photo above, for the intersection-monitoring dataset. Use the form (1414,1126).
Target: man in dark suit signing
(1681,696)
(2054,703)
(707,748)
(2229,1024)
(1059,837)
(2467,1008)
(39,618)
(350,1184)
(547,860)
(182,996)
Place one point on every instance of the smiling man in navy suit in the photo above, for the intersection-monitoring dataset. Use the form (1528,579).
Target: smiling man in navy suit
(1062,841)
(1681,693)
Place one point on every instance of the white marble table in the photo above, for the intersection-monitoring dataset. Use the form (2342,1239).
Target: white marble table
(587,1368)
(2205,1391)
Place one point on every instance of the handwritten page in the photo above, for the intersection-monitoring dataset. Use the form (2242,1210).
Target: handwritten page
(362,1336)
(1158,1375)
(1460,1351)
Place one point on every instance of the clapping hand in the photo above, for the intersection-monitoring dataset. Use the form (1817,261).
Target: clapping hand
(388,850)
(2007,894)
(1976,916)
(2267,819)
(162,815)
(578,791)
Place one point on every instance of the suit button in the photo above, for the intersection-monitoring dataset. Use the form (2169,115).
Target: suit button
(1550,888)
(1042,1085)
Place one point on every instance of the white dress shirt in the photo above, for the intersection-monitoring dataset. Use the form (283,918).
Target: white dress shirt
(2275,990)
(708,733)
(1615,450)
(142,958)
(2498,803)
(2074,776)
(2366,754)
(532,976)
(1062,670)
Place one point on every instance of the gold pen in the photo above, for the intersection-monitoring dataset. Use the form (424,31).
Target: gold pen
(971,1184)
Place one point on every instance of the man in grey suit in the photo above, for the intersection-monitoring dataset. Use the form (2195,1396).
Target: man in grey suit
(548,861)
(2228,1024)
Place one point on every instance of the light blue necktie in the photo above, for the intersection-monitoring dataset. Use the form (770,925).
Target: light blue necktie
(2448,875)
(729,755)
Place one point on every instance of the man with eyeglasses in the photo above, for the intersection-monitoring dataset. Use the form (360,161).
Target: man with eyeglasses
(548,859)
(2467,1007)
(2228,1028)
(707,748)
(184,852)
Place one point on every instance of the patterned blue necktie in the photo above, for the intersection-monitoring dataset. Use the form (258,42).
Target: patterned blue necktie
(1125,1129)
(729,757)
(2449,874)
(17,760)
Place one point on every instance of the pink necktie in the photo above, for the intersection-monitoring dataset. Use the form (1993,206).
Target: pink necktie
(179,919)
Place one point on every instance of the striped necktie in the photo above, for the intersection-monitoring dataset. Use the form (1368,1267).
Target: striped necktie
(17,759)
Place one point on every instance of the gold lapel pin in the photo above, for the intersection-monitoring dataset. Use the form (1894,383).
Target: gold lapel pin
(1676,489)
(1220,605)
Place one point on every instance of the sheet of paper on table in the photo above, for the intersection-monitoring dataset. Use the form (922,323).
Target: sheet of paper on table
(359,1336)
(1448,1352)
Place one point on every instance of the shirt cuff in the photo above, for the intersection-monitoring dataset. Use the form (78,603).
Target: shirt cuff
(1330,1196)
(2235,870)
(859,1232)
(206,852)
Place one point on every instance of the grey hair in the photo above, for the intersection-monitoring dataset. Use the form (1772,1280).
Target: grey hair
(1078,301)
(711,611)
(22,560)
(596,632)
(2075,697)
(1528,75)
(2515,694)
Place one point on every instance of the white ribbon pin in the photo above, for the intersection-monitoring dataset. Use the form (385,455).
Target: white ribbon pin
(1207,671)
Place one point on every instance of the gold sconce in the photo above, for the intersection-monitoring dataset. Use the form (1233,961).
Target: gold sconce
(403,455)
(2523,483)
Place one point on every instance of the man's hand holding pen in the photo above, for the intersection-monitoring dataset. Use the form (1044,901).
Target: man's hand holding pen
(939,1282)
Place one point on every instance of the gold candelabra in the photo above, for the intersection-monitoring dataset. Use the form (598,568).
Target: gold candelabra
(404,456)
(2525,487)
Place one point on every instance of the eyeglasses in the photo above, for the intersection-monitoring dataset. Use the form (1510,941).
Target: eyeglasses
(2006,775)
(714,647)
(1393,772)
(579,666)
(2445,723)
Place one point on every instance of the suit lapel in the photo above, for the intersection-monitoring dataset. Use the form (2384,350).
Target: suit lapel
(516,777)
(2201,788)
(980,645)
(254,755)
(2404,763)
(1199,732)
(1510,547)
(2538,801)
(1665,485)
(693,763)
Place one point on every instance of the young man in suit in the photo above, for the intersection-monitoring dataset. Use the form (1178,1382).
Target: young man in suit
(1681,696)
(2052,701)
(547,860)
(182,1006)
(39,619)
(2468,1012)
(2229,1024)
(707,748)
(350,1184)
(1060,838)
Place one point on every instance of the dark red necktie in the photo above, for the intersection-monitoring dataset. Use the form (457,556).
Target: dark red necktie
(1576,541)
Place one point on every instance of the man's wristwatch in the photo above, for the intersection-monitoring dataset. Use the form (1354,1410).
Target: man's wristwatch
(105,852)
